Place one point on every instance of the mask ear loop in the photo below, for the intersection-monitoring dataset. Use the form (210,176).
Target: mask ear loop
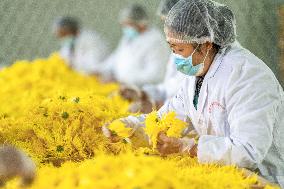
(194,50)
(204,60)
(206,56)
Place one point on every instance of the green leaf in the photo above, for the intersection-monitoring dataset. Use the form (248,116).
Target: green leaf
(59,148)
(64,115)
(76,100)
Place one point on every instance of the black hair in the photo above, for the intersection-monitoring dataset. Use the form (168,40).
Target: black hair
(215,47)
(69,23)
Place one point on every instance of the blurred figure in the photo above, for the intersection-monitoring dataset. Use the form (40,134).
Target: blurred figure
(157,94)
(141,55)
(164,8)
(140,100)
(83,50)
(173,79)
(14,163)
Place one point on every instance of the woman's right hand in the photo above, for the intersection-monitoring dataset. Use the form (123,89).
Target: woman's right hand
(130,93)
(138,137)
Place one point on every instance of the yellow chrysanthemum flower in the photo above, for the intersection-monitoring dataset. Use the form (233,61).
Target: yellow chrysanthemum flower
(118,127)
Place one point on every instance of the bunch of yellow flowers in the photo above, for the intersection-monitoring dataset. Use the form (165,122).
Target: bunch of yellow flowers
(119,128)
(172,126)
(168,123)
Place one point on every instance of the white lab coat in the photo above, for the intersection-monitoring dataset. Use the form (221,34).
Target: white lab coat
(169,87)
(90,50)
(240,114)
(139,61)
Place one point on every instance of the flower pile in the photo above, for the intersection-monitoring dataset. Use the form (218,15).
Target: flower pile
(129,171)
(55,115)
(26,83)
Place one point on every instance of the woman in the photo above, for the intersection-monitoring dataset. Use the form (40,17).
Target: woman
(83,50)
(141,55)
(232,98)
(173,79)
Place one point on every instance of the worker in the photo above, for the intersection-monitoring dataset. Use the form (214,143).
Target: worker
(83,50)
(153,96)
(142,53)
(159,93)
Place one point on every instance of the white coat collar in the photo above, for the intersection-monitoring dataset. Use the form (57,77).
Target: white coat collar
(210,74)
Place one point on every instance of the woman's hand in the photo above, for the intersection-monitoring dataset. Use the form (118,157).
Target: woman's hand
(193,151)
(109,134)
(169,145)
(130,93)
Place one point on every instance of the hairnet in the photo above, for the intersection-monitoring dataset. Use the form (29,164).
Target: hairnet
(66,22)
(200,21)
(134,13)
(165,7)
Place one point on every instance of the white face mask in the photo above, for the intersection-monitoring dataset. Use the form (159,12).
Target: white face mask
(67,41)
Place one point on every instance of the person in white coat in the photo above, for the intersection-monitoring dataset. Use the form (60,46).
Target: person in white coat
(173,79)
(141,55)
(230,96)
(83,50)
(154,95)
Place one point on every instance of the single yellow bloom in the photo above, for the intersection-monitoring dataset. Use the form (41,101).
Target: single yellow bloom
(118,127)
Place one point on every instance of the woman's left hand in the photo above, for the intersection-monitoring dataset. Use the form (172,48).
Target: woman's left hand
(168,145)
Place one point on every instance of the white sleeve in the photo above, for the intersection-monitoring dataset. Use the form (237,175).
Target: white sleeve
(176,104)
(156,92)
(154,66)
(93,59)
(159,92)
(108,65)
(90,51)
(106,68)
(252,100)
(65,53)
(87,62)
